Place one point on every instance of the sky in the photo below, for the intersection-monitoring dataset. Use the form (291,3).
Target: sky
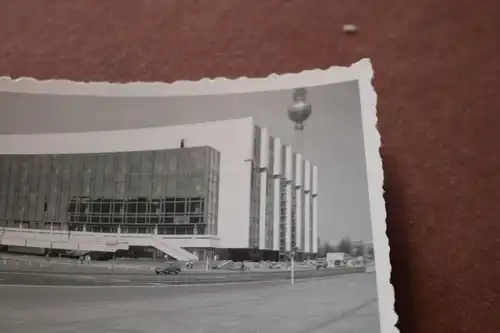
(332,139)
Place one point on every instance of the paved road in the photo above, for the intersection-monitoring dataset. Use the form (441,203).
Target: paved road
(65,265)
(40,277)
(340,304)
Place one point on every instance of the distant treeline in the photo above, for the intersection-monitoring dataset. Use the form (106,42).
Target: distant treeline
(345,245)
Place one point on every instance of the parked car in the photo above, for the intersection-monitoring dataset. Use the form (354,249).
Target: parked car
(275,265)
(171,269)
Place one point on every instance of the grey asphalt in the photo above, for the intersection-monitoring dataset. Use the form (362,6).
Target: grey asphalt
(340,304)
(46,277)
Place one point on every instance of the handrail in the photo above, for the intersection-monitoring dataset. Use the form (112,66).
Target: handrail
(180,251)
(161,245)
(93,234)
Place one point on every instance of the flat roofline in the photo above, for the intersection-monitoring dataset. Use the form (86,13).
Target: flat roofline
(111,152)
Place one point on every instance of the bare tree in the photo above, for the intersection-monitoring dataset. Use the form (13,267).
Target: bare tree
(359,250)
(345,246)
(325,247)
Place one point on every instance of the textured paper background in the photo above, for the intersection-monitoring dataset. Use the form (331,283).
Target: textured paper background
(437,78)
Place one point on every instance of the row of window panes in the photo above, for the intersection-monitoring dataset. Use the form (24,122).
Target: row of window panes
(35,225)
(158,203)
(140,219)
(131,209)
(199,230)
(136,219)
(119,206)
(178,230)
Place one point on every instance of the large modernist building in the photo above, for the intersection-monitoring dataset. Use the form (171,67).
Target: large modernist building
(226,188)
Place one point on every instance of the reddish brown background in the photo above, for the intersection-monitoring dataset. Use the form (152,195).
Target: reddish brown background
(437,67)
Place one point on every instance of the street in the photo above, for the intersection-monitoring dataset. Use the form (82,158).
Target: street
(340,304)
(75,277)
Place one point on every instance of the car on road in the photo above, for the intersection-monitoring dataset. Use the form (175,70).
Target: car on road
(275,265)
(321,264)
(171,269)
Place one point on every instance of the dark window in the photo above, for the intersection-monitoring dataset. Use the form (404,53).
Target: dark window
(96,206)
(106,206)
(169,207)
(131,207)
(195,207)
(180,207)
(142,207)
(118,207)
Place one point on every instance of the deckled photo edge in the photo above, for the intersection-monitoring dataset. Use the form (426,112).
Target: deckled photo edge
(361,71)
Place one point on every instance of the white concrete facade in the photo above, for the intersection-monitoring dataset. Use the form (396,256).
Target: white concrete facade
(234,139)
(314,209)
(299,191)
(307,207)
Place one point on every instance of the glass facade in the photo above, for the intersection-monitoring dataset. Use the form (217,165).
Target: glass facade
(255,192)
(294,204)
(162,191)
(270,196)
(294,218)
(283,214)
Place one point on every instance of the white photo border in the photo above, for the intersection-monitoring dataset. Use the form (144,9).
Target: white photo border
(361,71)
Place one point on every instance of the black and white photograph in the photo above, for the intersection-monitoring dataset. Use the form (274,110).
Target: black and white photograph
(238,206)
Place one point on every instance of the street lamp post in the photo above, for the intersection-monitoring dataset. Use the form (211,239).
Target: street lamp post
(291,255)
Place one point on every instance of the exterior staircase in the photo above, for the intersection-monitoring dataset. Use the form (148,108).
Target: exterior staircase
(176,252)
(228,264)
(83,241)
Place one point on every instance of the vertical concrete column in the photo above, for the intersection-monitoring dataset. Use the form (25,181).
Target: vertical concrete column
(278,172)
(276,211)
(315,224)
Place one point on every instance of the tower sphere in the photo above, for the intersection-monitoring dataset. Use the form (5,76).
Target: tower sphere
(300,111)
